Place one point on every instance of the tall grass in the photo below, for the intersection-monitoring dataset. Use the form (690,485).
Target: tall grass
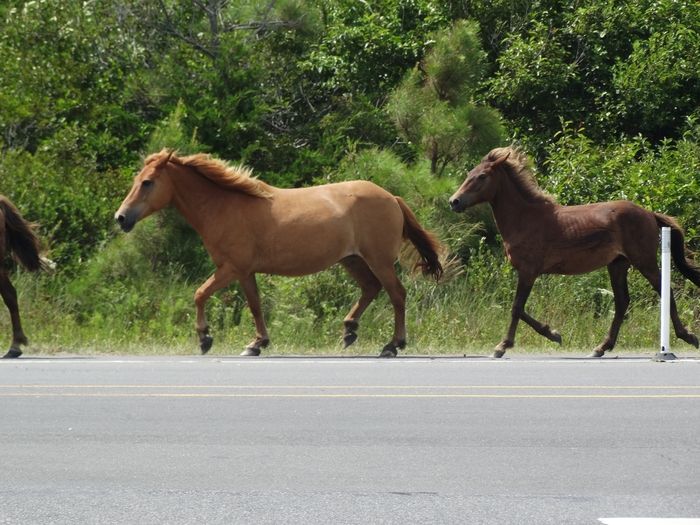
(124,304)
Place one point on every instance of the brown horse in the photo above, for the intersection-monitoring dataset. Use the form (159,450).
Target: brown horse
(541,237)
(250,227)
(18,239)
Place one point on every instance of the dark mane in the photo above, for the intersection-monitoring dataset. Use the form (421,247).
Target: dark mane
(519,170)
(220,172)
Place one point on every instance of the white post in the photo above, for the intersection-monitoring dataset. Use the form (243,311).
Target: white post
(665,353)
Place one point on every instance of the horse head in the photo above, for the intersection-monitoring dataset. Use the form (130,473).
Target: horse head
(480,185)
(152,191)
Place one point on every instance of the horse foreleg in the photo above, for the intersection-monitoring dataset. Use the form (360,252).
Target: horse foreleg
(541,328)
(516,313)
(221,278)
(369,284)
(262,339)
(9,295)
(618,279)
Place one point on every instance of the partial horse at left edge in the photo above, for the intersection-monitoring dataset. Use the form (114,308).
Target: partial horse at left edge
(19,240)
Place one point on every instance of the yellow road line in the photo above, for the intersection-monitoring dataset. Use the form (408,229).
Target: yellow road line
(349,391)
(370,387)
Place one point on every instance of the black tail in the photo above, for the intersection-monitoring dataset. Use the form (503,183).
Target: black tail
(424,242)
(22,241)
(678,249)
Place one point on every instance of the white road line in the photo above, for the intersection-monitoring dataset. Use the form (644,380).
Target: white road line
(239,362)
(650,521)
(364,361)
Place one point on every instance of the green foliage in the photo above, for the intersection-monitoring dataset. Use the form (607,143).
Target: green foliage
(660,83)
(367,46)
(434,107)
(170,134)
(59,70)
(455,64)
(322,91)
(616,67)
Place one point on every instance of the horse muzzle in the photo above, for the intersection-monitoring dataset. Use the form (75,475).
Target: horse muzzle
(125,222)
(459,204)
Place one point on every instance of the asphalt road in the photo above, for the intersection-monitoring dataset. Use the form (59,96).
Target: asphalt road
(523,440)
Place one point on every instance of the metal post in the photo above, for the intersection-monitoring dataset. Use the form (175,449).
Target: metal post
(665,354)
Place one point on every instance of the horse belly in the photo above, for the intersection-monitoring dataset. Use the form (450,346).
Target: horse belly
(581,246)
(303,251)
(332,223)
(581,261)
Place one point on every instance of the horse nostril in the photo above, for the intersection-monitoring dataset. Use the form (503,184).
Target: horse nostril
(454,203)
(120,218)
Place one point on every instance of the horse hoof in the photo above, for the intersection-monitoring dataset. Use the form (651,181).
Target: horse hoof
(250,351)
(206,343)
(497,354)
(693,342)
(556,337)
(12,354)
(349,339)
(597,353)
(388,351)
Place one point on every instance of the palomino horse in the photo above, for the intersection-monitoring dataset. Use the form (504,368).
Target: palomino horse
(541,237)
(17,238)
(250,227)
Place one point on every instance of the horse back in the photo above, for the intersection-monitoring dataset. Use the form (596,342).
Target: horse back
(579,239)
(306,230)
(361,208)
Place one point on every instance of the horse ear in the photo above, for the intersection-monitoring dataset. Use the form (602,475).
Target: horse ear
(500,160)
(163,161)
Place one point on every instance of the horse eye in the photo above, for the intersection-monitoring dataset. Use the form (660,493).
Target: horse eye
(146,183)
(482,176)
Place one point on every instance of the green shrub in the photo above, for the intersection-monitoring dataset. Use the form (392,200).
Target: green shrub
(61,189)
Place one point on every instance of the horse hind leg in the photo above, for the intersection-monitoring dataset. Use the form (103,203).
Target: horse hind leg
(541,328)
(9,295)
(397,296)
(654,278)
(618,279)
(679,328)
(386,274)
(358,269)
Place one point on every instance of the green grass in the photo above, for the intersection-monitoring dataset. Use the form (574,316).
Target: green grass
(152,313)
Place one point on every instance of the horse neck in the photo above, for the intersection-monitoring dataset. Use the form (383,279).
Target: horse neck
(510,209)
(197,198)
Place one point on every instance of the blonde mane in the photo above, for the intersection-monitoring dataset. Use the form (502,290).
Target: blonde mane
(519,170)
(220,172)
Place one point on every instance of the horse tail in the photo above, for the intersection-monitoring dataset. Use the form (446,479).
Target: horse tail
(424,242)
(22,241)
(678,249)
